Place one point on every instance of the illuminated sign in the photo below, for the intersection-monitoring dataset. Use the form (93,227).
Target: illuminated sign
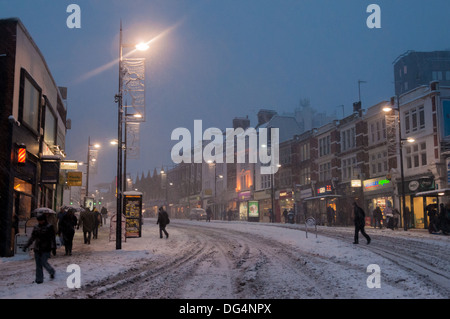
(372,184)
(323,190)
(69,165)
(21,154)
(356,183)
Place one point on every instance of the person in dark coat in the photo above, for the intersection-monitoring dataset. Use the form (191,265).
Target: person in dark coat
(97,223)
(43,237)
(87,221)
(377,216)
(208,214)
(359,220)
(163,220)
(66,228)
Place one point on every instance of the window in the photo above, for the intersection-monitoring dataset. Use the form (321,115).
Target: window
(378,130)
(437,75)
(407,129)
(416,155)
(30,96)
(304,152)
(348,139)
(325,172)
(447,75)
(50,126)
(324,146)
(421,117)
(378,163)
(305,176)
(348,165)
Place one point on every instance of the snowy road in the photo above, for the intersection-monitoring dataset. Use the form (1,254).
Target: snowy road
(239,260)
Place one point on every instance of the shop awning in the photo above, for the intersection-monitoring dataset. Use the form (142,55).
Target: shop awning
(435,192)
(322,197)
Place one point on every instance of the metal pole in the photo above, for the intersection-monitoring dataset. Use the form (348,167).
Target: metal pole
(119,151)
(405,226)
(87,167)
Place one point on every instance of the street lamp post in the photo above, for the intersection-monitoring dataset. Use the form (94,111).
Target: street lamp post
(121,180)
(402,174)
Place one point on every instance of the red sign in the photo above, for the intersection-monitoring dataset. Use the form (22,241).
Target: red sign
(21,155)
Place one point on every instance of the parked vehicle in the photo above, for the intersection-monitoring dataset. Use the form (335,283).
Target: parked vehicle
(197,213)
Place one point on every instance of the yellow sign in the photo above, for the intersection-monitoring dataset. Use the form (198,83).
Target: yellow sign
(74,178)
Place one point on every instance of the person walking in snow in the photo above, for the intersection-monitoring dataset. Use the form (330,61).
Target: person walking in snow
(87,221)
(43,237)
(97,223)
(163,220)
(359,220)
(66,229)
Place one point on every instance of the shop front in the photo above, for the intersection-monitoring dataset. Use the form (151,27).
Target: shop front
(378,192)
(419,193)
(264,199)
(317,206)
(285,201)
(243,199)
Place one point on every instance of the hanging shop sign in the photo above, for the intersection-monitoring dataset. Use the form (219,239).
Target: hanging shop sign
(327,189)
(74,178)
(243,196)
(50,171)
(69,165)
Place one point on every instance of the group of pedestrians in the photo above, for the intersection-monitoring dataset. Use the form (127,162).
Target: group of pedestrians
(43,236)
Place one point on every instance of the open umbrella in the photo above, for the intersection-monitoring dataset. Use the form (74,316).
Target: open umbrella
(75,207)
(43,210)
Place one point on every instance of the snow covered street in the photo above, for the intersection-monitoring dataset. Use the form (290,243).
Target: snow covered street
(241,260)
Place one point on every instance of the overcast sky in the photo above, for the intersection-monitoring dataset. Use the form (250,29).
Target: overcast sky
(220,59)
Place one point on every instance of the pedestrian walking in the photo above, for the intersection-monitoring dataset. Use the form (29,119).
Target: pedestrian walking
(163,221)
(271,216)
(66,228)
(104,213)
(330,215)
(97,223)
(285,215)
(43,237)
(87,221)
(359,220)
(208,214)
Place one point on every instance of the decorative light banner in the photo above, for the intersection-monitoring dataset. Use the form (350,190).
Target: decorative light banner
(133,148)
(134,90)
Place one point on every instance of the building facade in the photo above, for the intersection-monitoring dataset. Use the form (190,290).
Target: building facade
(33,116)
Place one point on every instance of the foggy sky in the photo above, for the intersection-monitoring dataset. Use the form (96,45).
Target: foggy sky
(221,59)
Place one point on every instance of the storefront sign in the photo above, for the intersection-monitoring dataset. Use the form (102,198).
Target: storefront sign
(356,183)
(324,190)
(245,196)
(419,185)
(285,194)
(376,184)
(50,172)
(74,178)
(69,165)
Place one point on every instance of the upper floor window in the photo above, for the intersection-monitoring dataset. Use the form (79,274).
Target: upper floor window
(348,139)
(30,95)
(324,146)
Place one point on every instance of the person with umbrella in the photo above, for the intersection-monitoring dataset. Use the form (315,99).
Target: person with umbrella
(43,237)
